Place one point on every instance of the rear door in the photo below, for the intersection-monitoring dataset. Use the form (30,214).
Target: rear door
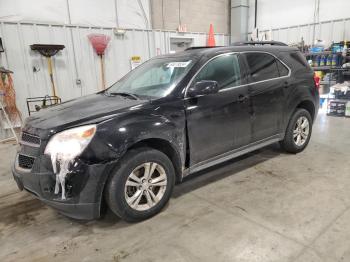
(268,77)
(220,122)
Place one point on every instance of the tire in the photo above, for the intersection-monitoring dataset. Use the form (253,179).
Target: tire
(291,142)
(121,198)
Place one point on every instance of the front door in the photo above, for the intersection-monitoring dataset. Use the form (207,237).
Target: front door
(220,122)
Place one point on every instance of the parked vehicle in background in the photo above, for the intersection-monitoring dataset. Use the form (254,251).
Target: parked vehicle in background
(170,117)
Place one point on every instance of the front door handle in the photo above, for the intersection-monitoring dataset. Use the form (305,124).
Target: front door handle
(242,98)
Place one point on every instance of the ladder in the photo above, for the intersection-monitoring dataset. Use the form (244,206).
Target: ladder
(7,119)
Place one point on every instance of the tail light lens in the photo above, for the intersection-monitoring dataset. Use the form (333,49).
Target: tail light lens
(317,81)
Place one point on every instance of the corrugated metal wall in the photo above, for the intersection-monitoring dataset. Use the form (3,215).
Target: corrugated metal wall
(286,13)
(334,30)
(78,60)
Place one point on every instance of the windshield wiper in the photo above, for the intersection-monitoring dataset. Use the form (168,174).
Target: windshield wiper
(133,96)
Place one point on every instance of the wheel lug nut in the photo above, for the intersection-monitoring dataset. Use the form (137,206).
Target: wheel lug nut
(150,181)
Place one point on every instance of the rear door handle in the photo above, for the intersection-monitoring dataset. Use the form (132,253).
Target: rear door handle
(242,98)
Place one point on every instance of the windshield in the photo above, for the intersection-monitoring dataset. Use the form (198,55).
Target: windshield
(155,78)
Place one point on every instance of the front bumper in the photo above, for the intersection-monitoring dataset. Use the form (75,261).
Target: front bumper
(84,194)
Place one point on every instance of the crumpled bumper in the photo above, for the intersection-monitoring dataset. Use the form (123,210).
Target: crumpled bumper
(86,185)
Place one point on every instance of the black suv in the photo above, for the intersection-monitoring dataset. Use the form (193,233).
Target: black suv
(170,117)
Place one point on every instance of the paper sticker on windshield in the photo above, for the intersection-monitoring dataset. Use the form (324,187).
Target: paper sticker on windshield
(179,64)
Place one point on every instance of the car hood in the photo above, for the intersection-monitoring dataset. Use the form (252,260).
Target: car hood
(92,108)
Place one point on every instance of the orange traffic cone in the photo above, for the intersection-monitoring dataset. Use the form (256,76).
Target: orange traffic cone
(211,38)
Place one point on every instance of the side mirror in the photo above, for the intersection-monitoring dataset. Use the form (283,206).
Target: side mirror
(204,87)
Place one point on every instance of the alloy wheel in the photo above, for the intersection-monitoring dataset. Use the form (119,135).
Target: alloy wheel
(145,186)
(301,131)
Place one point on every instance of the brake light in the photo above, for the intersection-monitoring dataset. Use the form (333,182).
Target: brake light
(317,81)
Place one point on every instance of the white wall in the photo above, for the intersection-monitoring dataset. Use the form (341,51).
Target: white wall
(78,60)
(68,22)
(197,15)
(284,13)
(102,13)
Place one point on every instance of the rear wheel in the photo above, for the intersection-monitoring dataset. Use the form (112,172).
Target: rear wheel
(141,185)
(298,132)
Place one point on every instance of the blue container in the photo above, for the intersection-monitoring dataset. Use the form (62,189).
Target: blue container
(339,60)
(329,60)
(316,49)
(318,60)
(325,60)
(334,60)
(336,48)
(322,100)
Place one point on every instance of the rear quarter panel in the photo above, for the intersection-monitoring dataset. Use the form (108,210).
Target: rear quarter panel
(301,84)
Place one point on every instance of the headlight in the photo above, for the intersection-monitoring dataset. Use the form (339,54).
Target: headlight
(70,143)
(64,147)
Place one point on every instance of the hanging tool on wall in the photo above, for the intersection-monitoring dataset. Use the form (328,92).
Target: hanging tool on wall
(99,43)
(48,51)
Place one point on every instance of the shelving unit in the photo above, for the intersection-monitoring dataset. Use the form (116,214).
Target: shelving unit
(336,74)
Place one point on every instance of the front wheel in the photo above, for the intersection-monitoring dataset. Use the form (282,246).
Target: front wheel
(141,185)
(298,132)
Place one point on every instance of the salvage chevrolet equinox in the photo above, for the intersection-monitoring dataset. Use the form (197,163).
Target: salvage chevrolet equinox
(170,117)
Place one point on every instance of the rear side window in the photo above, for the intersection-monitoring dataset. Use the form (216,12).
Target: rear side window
(223,69)
(296,61)
(282,69)
(262,66)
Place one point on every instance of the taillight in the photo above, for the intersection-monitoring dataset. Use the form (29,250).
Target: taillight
(317,81)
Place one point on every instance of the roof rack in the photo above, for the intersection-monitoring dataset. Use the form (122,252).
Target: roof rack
(200,47)
(276,43)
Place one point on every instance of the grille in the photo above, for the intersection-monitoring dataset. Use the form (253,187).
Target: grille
(25,161)
(32,139)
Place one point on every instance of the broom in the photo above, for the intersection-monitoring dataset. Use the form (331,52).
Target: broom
(99,43)
(48,51)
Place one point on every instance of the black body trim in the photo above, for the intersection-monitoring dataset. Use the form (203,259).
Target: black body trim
(233,154)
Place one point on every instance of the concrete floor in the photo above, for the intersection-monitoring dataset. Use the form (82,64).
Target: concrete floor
(266,206)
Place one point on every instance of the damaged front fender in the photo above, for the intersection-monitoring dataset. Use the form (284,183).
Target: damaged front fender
(163,124)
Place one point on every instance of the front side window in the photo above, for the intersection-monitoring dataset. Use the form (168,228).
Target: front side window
(262,66)
(223,69)
(155,78)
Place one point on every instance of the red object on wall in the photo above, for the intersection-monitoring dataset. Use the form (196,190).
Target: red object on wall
(211,38)
(99,42)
